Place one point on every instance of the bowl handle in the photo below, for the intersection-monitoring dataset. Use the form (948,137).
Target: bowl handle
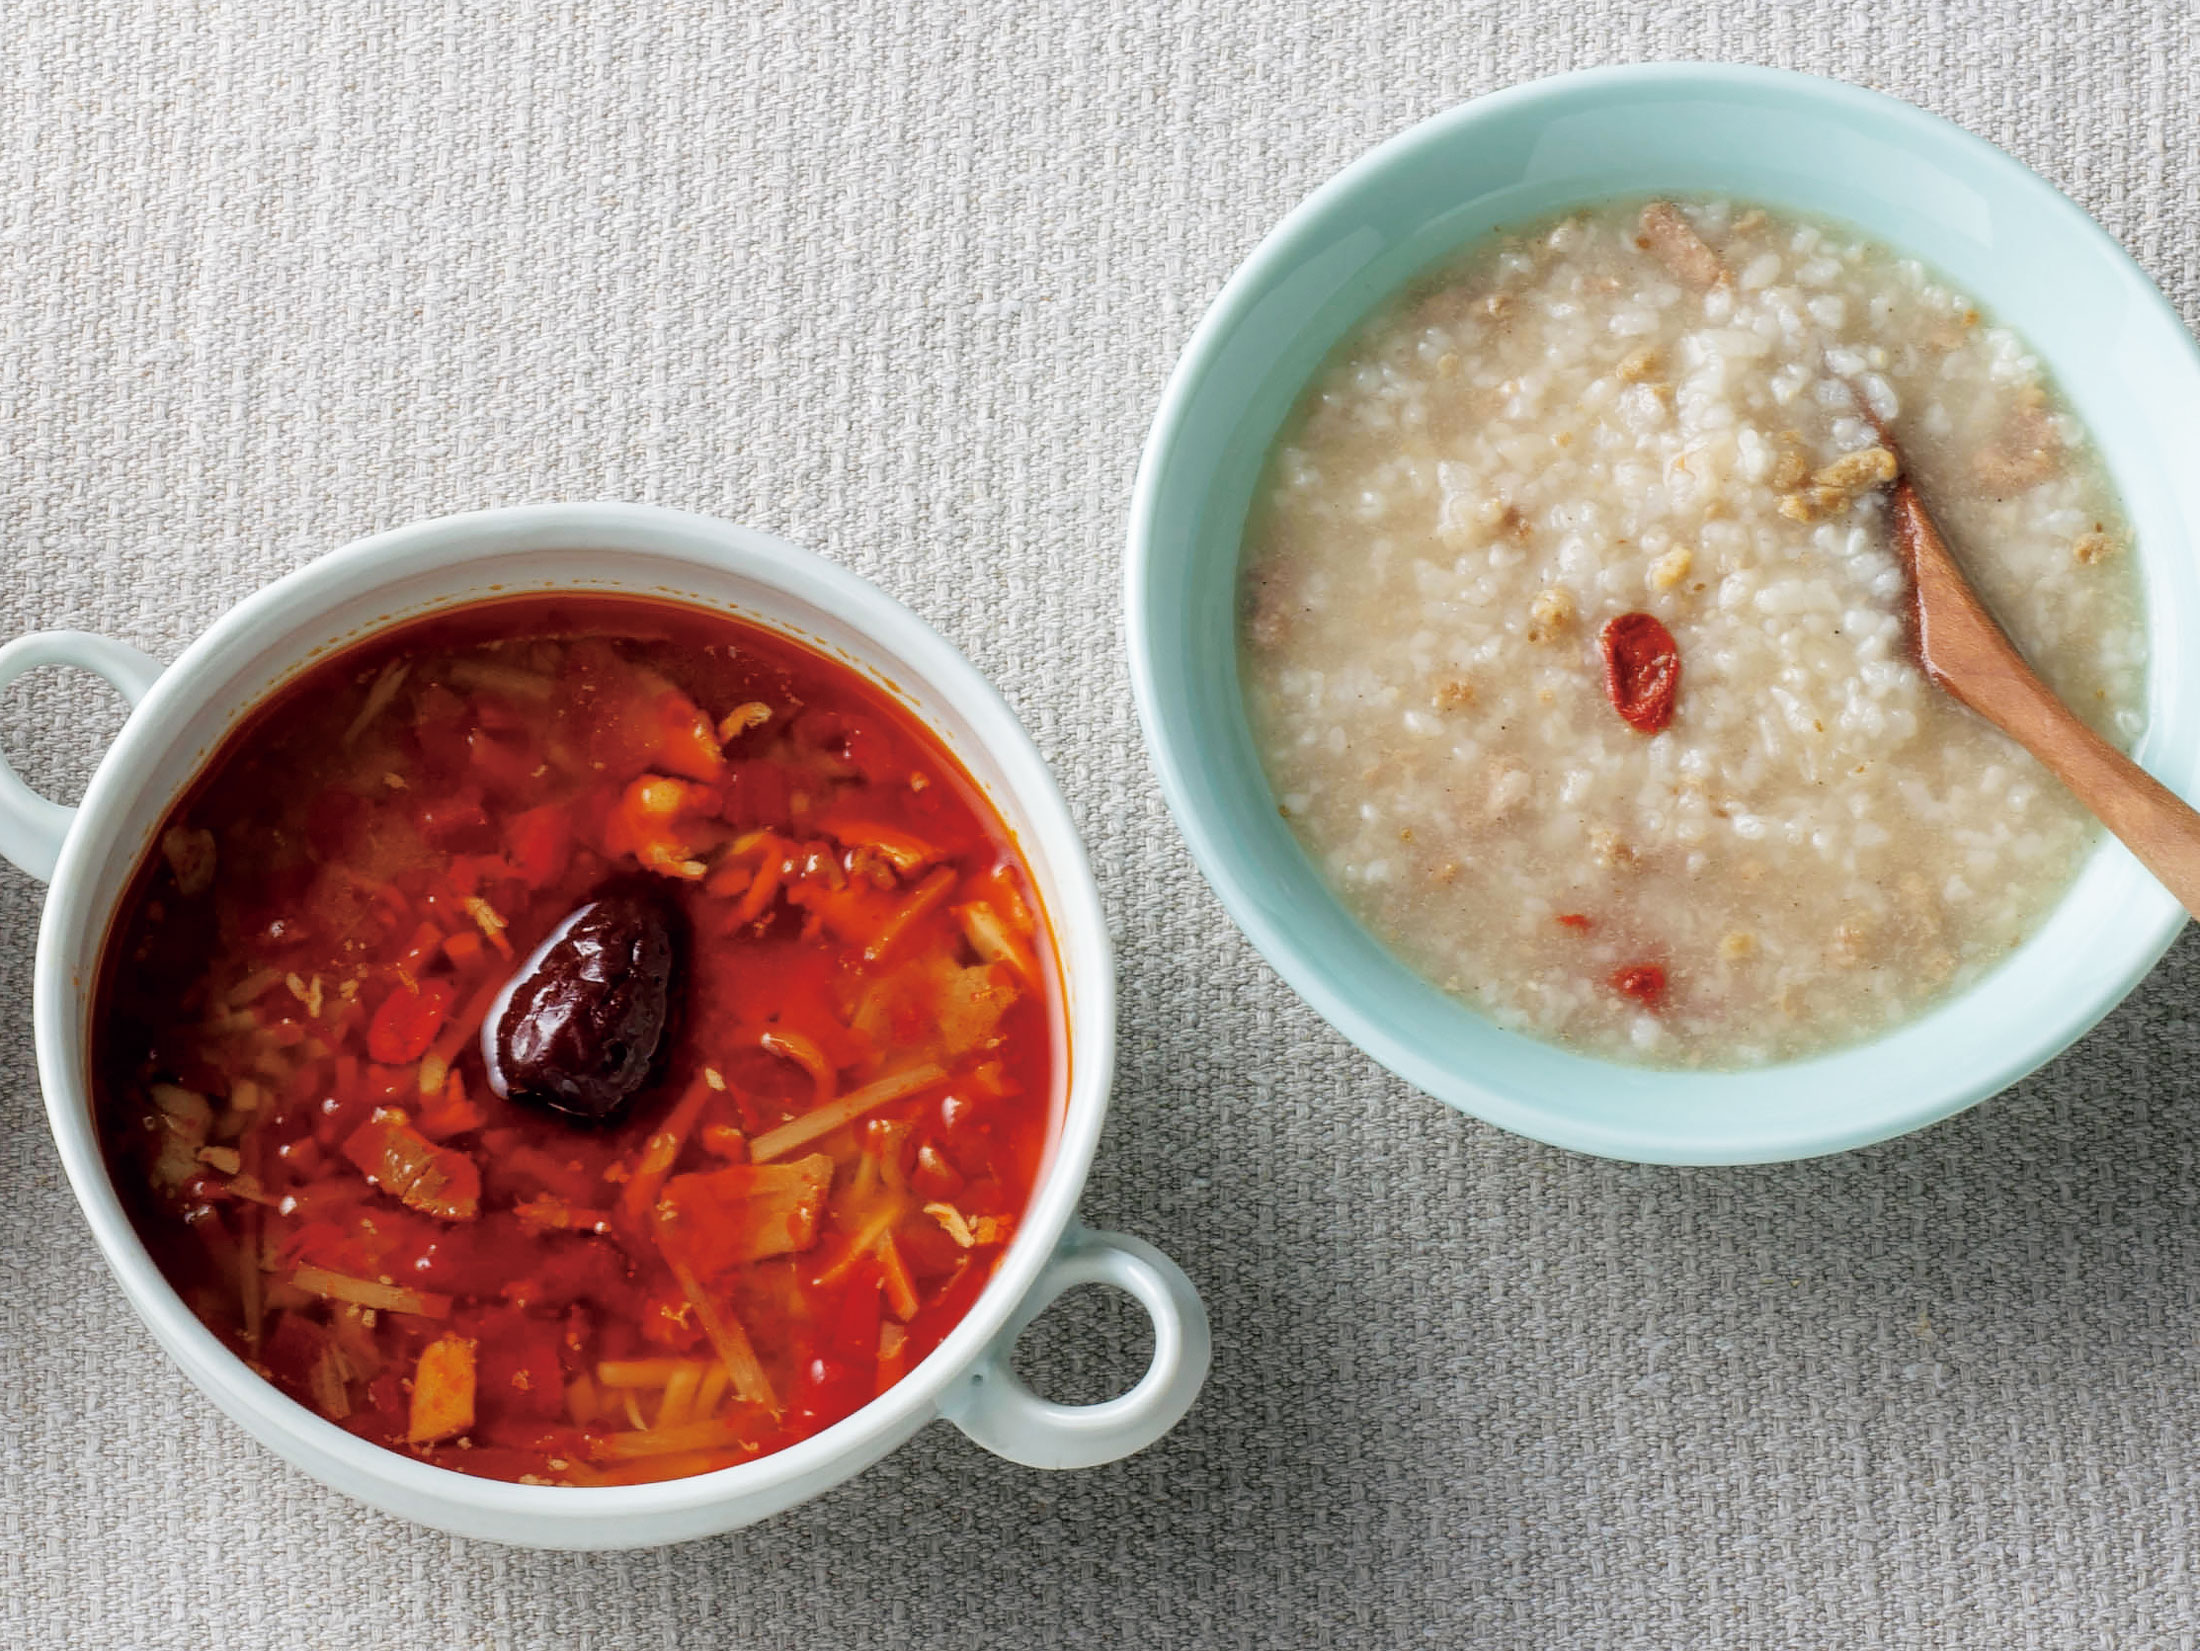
(992,1404)
(32,828)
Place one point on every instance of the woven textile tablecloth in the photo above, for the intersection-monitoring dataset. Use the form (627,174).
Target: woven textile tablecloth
(902,281)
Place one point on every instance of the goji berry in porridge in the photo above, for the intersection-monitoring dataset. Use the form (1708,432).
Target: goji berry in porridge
(1573,637)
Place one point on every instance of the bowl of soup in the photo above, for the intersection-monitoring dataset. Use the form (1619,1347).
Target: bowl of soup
(1515,623)
(584,1026)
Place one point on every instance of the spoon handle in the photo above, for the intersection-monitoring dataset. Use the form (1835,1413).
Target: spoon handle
(1969,655)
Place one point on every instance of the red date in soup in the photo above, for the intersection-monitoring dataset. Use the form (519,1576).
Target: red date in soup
(580,1041)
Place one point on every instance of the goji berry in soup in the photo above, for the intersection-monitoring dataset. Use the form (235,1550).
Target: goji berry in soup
(581,1041)
(1644,982)
(1642,670)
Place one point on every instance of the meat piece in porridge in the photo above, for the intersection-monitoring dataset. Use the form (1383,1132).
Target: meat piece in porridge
(1840,484)
(1667,235)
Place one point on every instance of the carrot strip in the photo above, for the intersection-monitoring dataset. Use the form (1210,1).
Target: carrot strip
(425,942)
(713,1392)
(864,1243)
(930,893)
(905,851)
(732,1341)
(251,1299)
(796,1132)
(326,1382)
(450,1113)
(549,1213)
(366,1292)
(391,897)
(676,1407)
(662,1151)
(1008,899)
(728,878)
(804,1052)
(490,921)
(404,1028)
(643,1372)
(509,680)
(659,1441)
(465,1026)
(251,987)
(901,1289)
(378,698)
(893,1355)
(581,1402)
(760,892)
(989,938)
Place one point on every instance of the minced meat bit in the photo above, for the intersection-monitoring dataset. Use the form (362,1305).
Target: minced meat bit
(1840,484)
(1667,235)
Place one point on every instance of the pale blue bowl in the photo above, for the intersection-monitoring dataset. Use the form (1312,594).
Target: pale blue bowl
(1909,180)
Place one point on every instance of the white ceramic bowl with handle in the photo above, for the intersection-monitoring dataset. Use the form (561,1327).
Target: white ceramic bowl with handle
(179,717)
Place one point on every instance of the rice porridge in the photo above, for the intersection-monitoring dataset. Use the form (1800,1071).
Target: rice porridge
(1573,641)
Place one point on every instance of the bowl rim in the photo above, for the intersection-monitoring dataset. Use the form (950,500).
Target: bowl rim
(296,607)
(1175,743)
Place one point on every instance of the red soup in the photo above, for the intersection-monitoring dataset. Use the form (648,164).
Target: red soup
(580,1040)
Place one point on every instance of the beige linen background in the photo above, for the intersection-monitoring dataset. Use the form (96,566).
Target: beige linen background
(902,281)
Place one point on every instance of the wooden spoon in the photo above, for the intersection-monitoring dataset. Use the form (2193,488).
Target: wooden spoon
(1962,649)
